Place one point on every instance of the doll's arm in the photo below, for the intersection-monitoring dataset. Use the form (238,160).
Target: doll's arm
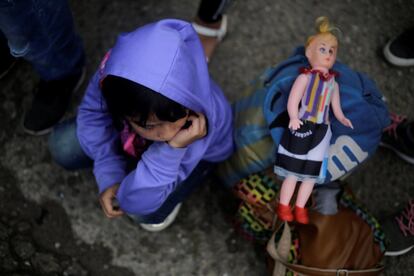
(295,96)
(337,110)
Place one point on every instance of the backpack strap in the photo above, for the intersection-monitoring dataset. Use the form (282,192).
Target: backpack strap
(313,271)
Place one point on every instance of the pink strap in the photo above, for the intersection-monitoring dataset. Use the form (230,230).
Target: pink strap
(129,144)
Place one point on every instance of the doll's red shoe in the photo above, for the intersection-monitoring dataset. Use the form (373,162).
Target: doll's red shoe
(301,215)
(284,212)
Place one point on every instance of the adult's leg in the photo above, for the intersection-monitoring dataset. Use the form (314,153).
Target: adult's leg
(6,59)
(211,11)
(210,24)
(43,33)
(65,148)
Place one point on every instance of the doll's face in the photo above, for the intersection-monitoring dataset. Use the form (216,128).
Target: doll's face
(321,51)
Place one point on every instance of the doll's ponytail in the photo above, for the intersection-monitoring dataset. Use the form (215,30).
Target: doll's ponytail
(323,26)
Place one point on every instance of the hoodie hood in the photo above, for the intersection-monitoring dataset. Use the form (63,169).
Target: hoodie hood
(166,57)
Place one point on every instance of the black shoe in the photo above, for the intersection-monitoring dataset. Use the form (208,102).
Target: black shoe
(50,101)
(399,137)
(399,51)
(6,62)
(399,231)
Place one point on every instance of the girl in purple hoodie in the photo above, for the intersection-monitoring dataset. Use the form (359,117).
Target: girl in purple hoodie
(152,121)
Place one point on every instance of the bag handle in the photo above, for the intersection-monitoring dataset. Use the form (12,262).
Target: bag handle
(307,270)
(313,271)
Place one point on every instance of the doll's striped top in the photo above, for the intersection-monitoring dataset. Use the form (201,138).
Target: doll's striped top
(317,97)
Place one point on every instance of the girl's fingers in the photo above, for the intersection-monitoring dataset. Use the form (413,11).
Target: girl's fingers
(198,126)
(105,207)
(107,204)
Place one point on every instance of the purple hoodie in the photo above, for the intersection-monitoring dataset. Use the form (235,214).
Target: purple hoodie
(167,57)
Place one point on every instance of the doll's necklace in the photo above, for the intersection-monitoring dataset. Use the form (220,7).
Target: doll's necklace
(324,76)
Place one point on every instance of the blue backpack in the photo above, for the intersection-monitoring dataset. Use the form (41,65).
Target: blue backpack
(260,117)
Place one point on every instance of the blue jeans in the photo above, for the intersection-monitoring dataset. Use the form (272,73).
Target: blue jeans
(66,151)
(42,32)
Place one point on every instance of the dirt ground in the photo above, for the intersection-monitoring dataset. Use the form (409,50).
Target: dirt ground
(50,219)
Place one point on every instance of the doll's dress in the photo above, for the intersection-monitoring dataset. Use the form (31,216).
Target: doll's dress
(303,152)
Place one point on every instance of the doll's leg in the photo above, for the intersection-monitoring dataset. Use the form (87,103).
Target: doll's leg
(286,191)
(305,190)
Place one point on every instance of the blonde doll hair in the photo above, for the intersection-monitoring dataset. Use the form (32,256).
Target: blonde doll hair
(323,27)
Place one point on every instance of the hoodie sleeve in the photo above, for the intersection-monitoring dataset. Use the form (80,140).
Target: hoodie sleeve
(145,189)
(98,137)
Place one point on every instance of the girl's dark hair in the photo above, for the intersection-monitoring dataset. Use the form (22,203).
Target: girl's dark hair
(125,98)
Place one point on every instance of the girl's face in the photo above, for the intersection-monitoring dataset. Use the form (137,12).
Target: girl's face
(157,130)
(321,52)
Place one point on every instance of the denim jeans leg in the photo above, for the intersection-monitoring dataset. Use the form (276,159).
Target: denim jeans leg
(3,45)
(183,190)
(65,148)
(43,33)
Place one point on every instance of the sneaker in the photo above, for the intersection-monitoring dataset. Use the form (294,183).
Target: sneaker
(399,51)
(167,222)
(399,231)
(50,101)
(399,137)
(210,34)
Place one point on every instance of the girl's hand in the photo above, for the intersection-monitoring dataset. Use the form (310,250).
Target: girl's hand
(107,200)
(346,122)
(195,131)
(295,124)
